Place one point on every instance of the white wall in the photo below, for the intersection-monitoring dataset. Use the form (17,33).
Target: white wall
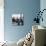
(1,20)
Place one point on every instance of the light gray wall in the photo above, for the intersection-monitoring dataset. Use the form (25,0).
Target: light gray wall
(28,8)
(43,6)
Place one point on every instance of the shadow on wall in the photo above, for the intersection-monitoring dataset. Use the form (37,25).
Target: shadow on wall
(27,7)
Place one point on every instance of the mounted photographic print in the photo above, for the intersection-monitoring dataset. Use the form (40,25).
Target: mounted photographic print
(18,19)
